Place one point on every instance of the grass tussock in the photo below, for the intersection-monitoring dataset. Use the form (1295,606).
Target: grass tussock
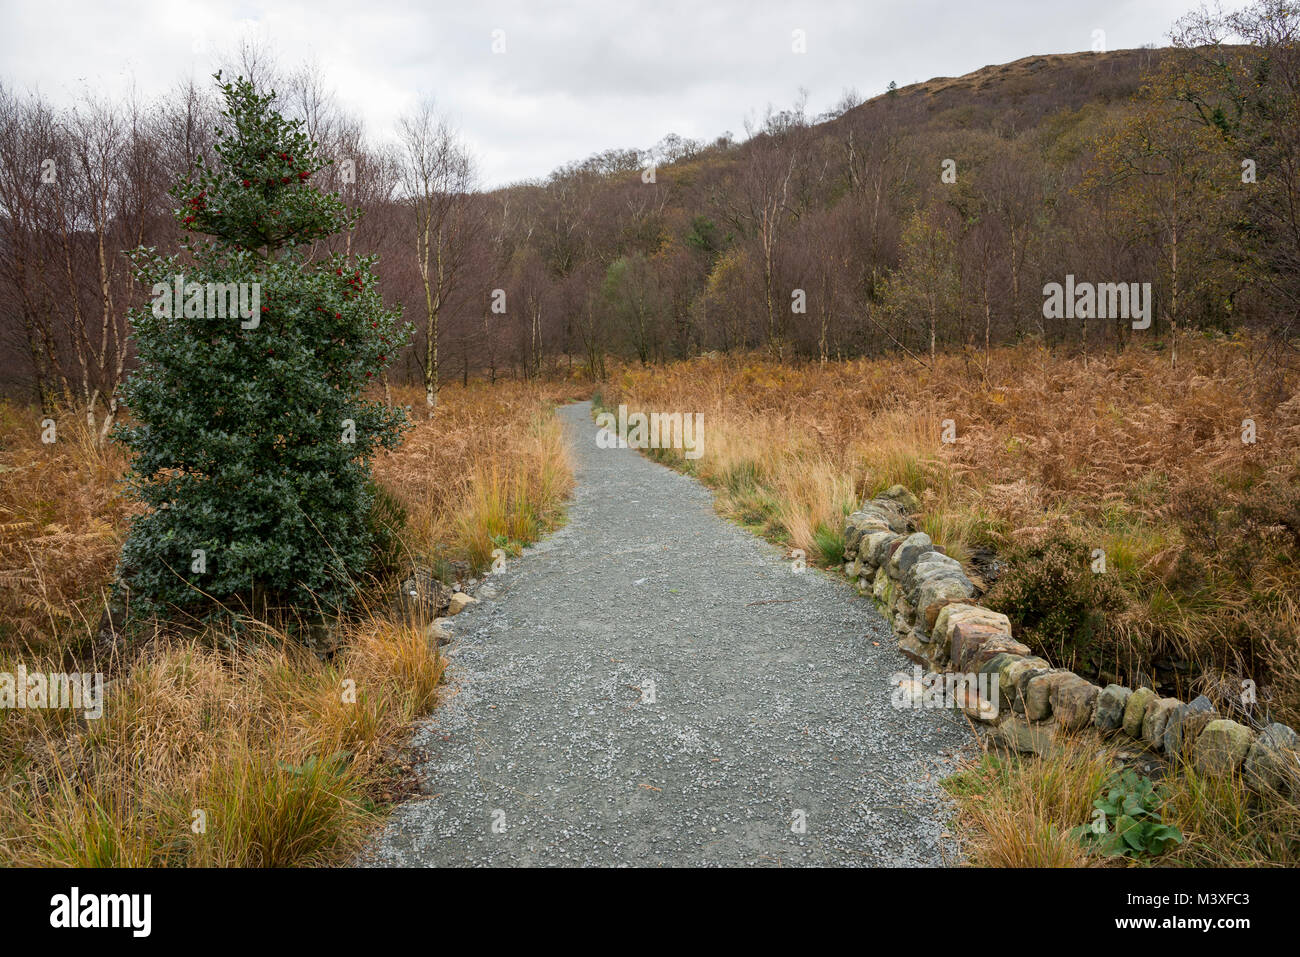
(1019,810)
(261,757)
(215,752)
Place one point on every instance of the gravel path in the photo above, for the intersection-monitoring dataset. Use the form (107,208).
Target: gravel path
(771,702)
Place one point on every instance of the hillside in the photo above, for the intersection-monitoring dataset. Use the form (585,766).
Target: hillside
(692,244)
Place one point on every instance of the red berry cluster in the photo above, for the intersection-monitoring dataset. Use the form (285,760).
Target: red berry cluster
(357,285)
(355,282)
(197,204)
(302,174)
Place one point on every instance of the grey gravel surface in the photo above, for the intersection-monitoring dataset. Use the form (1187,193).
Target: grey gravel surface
(771,702)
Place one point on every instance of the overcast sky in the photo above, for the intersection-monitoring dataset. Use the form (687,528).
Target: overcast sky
(574,78)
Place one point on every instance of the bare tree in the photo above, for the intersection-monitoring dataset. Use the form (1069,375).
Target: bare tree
(27,160)
(438,176)
(759,201)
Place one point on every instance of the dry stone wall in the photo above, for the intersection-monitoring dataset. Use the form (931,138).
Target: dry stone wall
(941,626)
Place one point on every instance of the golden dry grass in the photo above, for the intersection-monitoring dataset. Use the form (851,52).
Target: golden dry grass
(1018,810)
(492,464)
(287,757)
(1228,823)
(280,753)
(1040,433)
(61,527)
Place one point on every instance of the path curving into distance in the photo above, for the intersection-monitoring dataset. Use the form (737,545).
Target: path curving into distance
(770,698)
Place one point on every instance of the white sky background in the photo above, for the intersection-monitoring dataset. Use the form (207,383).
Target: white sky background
(577,77)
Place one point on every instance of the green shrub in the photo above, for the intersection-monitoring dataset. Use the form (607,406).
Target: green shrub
(251,443)
(1061,606)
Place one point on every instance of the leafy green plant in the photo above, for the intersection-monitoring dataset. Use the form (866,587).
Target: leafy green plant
(1062,608)
(508,545)
(1126,821)
(252,439)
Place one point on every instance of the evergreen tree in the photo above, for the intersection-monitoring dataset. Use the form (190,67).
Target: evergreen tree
(252,441)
